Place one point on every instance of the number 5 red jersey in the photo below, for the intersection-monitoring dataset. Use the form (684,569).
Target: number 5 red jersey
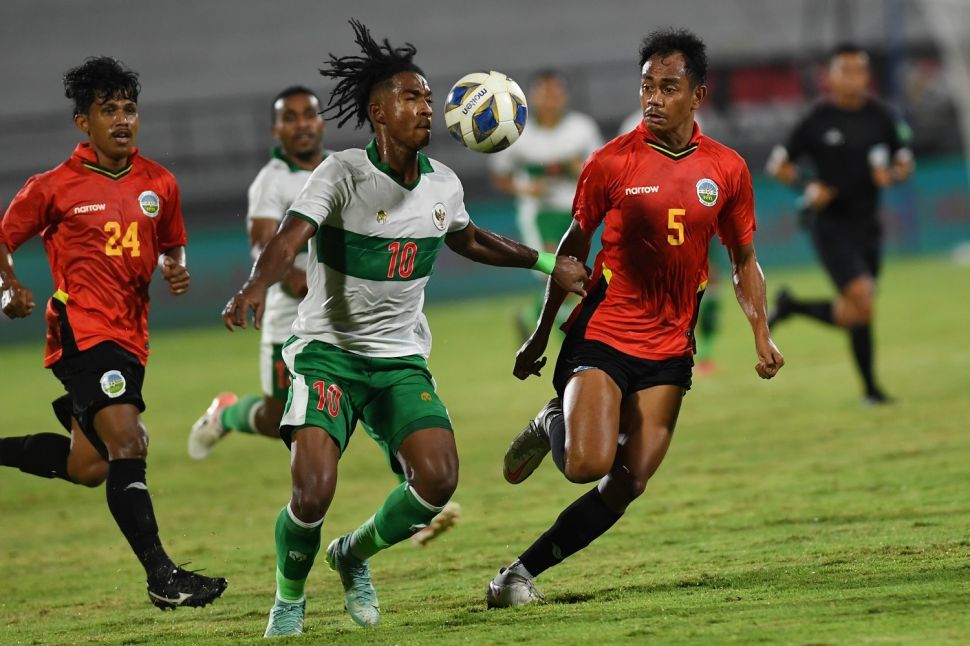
(103,232)
(661,209)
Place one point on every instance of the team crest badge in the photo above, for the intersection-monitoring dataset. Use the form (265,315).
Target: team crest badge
(381,216)
(440,215)
(149,203)
(707,192)
(113,384)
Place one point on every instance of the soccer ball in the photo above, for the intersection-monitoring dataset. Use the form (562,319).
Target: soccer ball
(486,111)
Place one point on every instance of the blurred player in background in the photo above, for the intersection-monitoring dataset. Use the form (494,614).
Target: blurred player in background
(298,128)
(856,147)
(540,170)
(107,217)
(375,220)
(663,190)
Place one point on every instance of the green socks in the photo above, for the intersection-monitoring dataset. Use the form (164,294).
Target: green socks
(297,544)
(403,513)
(239,416)
(708,323)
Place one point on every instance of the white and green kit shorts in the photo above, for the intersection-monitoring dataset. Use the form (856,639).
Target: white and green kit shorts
(333,389)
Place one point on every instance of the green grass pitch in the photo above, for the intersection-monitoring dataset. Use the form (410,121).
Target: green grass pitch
(786,512)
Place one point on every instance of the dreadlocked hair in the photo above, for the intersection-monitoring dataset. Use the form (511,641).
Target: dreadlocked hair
(99,79)
(357,75)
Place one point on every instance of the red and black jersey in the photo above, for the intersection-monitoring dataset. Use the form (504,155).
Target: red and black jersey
(661,209)
(103,232)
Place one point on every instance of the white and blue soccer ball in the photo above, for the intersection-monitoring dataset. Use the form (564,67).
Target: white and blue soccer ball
(486,111)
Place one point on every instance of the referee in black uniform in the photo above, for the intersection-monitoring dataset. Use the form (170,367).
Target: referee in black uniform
(855,147)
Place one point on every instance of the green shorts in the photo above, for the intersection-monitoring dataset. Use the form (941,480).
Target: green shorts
(553,225)
(273,374)
(334,389)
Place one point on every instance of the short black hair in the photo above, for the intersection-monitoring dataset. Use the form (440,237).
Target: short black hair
(668,41)
(548,73)
(846,48)
(293,90)
(99,79)
(358,75)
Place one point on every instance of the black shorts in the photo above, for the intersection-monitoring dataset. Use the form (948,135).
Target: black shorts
(848,249)
(101,376)
(630,373)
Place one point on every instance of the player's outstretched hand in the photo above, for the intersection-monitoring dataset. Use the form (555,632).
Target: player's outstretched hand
(236,312)
(17,301)
(571,275)
(529,359)
(176,275)
(770,359)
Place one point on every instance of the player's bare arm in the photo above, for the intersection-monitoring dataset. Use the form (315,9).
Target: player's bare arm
(174,272)
(17,301)
(749,286)
(529,359)
(488,248)
(261,231)
(817,194)
(272,265)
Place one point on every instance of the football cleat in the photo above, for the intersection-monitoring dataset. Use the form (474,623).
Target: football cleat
(208,430)
(445,520)
(177,587)
(529,447)
(509,589)
(285,618)
(360,598)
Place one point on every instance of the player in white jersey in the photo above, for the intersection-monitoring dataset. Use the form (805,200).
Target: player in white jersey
(375,220)
(541,169)
(298,128)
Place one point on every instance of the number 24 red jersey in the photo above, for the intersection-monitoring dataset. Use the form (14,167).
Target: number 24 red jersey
(661,209)
(103,232)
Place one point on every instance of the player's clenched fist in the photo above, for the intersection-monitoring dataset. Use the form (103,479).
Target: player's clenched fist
(17,301)
(770,359)
(176,275)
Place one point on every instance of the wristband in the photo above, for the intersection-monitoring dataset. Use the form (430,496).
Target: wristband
(545,263)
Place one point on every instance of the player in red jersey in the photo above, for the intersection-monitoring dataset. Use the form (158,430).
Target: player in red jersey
(663,190)
(107,217)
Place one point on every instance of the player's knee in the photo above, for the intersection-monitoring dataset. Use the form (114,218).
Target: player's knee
(310,504)
(436,483)
(131,444)
(583,470)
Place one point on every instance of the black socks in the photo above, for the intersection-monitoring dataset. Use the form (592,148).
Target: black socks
(577,526)
(861,339)
(44,454)
(131,507)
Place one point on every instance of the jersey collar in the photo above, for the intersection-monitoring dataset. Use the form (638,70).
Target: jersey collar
(277,153)
(85,154)
(653,142)
(424,166)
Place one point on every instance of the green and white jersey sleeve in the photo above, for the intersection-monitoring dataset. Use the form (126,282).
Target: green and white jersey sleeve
(549,154)
(374,249)
(270,195)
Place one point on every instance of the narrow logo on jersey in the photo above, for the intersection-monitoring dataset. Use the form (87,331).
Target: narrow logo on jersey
(113,384)
(440,215)
(149,203)
(381,216)
(641,190)
(833,137)
(707,192)
(89,208)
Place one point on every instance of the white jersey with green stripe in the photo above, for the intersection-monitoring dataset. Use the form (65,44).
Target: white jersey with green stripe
(270,195)
(374,249)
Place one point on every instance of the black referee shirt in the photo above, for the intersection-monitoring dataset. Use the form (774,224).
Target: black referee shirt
(838,143)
